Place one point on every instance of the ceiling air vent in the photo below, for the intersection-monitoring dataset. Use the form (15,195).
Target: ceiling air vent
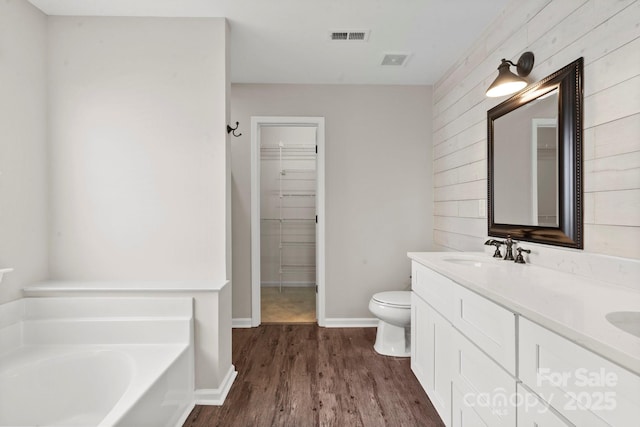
(395,59)
(349,35)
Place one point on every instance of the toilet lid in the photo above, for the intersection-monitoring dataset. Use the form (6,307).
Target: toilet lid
(394,298)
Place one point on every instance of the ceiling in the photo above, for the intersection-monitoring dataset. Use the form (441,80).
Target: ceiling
(287,41)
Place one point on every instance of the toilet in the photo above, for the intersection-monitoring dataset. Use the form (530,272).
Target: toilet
(393,310)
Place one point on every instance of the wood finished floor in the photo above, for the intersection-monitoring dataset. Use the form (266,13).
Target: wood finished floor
(304,375)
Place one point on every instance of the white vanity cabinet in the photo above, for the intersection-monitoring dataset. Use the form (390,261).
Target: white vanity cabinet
(483,362)
(431,336)
(463,350)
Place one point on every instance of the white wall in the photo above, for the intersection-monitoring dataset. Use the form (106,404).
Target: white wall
(607,35)
(137,128)
(23,149)
(378,185)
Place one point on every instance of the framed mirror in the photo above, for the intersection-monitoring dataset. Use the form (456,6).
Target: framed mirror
(535,162)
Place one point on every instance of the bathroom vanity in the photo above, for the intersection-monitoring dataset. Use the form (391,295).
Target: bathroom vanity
(502,344)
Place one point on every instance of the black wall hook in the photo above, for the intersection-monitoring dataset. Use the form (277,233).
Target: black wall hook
(233,130)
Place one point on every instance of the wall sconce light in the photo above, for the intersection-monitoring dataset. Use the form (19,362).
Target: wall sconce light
(507,83)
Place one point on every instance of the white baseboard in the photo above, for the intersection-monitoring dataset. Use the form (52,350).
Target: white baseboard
(336,322)
(216,396)
(350,322)
(287,284)
(241,322)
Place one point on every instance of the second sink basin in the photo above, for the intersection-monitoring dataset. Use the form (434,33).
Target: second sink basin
(471,262)
(628,321)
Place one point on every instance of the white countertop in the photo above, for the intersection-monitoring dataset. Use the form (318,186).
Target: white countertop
(570,305)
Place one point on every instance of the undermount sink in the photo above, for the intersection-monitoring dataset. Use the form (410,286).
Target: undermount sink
(471,262)
(628,321)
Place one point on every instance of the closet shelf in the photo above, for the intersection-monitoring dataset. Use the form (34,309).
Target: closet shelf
(288,179)
(293,268)
(298,244)
(298,195)
(289,147)
(301,156)
(289,219)
(286,171)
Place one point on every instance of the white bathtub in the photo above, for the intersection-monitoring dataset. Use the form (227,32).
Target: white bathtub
(96,362)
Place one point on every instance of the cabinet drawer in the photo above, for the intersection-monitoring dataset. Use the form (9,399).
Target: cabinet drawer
(434,288)
(489,326)
(480,386)
(585,388)
(532,412)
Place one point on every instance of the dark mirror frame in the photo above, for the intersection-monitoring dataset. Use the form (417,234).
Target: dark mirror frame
(569,81)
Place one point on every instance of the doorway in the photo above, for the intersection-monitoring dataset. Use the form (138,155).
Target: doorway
(287,219)
(544,172)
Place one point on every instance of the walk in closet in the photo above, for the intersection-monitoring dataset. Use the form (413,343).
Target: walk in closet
(288,214)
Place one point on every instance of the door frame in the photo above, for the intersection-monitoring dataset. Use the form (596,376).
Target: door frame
(256,123)
(536,124)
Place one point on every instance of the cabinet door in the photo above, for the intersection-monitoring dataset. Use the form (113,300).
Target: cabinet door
(431,355)
(440,335)
(533,412)
(421,351)
(483,390)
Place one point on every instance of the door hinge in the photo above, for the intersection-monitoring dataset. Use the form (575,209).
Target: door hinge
(316,219)
(316,149)
(316,289)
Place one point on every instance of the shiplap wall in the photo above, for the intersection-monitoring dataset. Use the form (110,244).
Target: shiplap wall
(607,34)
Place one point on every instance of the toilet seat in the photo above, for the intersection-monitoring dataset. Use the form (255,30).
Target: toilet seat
(400,299)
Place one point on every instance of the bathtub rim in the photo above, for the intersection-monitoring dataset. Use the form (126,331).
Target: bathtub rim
(14,314)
